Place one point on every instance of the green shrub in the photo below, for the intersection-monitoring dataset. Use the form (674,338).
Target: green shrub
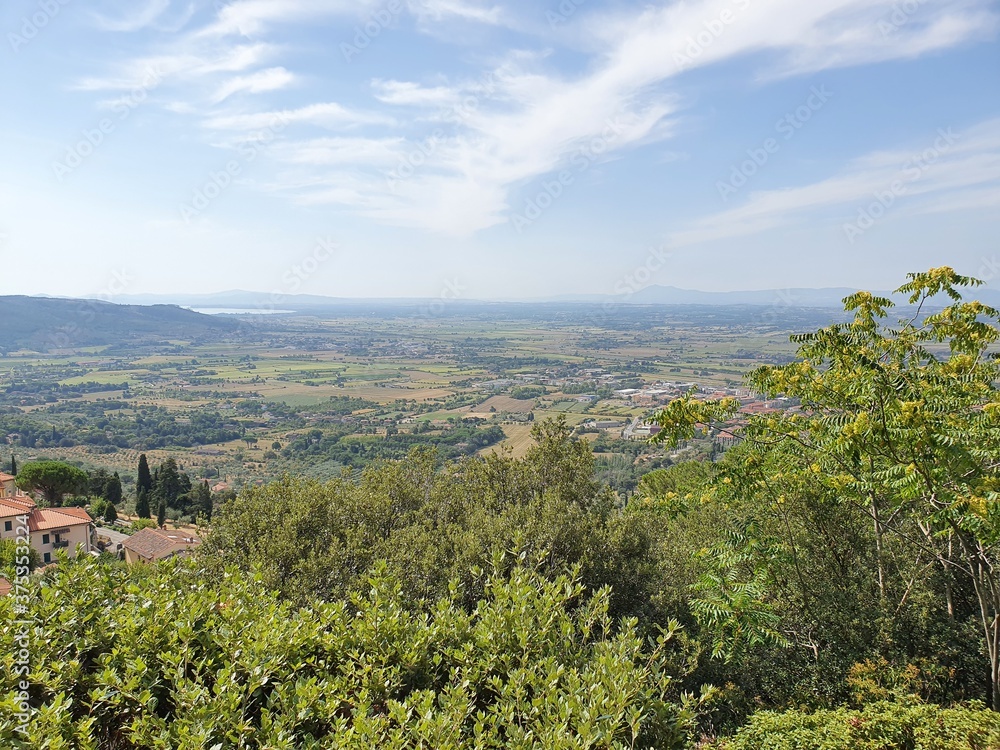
(98,507)
(152,657)
(877,679)
(11,555)
(432,525)
(525,392)
(878,726)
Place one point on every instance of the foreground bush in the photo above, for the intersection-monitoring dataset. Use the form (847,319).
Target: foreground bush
(878,726)
(155,658)
(433,524)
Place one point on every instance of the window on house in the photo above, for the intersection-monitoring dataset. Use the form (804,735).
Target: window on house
(57,539)
(7,526)
(45,538)
(47,557)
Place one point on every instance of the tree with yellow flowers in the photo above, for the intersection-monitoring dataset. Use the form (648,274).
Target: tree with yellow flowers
(899,422)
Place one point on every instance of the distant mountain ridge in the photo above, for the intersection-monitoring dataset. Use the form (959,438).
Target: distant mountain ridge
(651,295)
(262,301)
(799,297)
(48,323)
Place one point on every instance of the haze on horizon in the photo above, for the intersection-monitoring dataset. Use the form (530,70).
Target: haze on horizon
(507,148)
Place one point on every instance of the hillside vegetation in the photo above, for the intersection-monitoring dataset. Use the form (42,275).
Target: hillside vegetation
(832,581)
(43,324)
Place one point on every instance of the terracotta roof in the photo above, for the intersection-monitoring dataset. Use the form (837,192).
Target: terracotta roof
(148,543)
(155,544)
(42,519)
(72,510)
(4,586)
(15,506)
(6,477)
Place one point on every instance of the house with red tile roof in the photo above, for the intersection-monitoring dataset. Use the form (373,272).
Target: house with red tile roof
(48,529)
(150,545)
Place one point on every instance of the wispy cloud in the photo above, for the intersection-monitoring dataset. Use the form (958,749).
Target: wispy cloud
(138,19)
(465,9)
(937,27)
(524,116)
(328,115)
(950,172)
(402,93)
(381,153)
(269,79)
(254,17)
(533,120)
(188,66)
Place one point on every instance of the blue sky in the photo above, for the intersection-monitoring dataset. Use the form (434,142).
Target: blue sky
(495,148)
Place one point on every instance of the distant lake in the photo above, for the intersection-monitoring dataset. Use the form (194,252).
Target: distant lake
(238,311)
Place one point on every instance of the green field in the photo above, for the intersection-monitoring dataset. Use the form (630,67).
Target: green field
(395,372)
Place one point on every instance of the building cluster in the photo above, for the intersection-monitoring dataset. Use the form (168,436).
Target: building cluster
(660,393)
(70,528)
(657,393)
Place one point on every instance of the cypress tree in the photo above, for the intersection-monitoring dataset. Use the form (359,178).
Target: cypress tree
(13,464)
(113,489)
(110,513)
(144,480)
(142,504)
(205,500)
(161,513)
(168,482)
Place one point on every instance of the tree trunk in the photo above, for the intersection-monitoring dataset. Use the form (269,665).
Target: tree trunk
(878,548)
(988,595)
(995,663)
(986,583)
(949,596)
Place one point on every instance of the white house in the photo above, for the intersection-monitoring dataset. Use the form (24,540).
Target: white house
(48,529)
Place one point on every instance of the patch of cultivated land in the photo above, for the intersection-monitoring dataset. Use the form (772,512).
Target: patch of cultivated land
(387,395)
(409,368)
(505,404)
(518,440)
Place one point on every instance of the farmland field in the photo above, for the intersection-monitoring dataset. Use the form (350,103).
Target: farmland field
(320,393)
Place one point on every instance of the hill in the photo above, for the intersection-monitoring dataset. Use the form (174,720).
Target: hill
(827,297)
(669,295)
(782,298)
(45,324)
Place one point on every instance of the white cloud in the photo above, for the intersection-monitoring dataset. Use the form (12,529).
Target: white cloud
(804,36)
(410,93)
(138,19)
(186,65)
(950,172)
(383,153)
(250,17)
(203,52)
(530,122)
(328,115)
(465,9)
(525,118)
(936,29)
(269,79)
